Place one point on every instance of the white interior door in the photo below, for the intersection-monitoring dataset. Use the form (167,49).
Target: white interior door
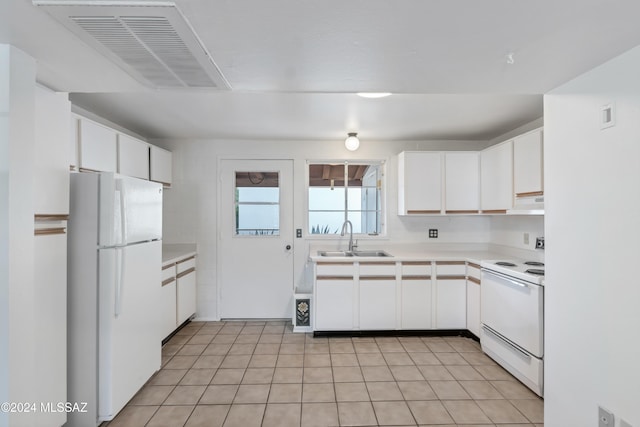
(255,251)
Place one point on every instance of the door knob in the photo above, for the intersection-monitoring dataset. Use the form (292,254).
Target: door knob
(288,247)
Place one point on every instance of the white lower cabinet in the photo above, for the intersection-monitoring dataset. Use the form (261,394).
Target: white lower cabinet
(186,290)
(473,298)
(408,295)
(377,303)
(416,300)
(416,303)
(168,300)
(473,307)
(178,294)
(451,295)
(334,304)
(50,314)
(451,303)
(334,296)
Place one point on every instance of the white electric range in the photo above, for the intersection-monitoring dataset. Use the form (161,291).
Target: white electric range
(512,316)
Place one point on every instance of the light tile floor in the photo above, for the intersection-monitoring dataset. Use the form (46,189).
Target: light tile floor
(261,374)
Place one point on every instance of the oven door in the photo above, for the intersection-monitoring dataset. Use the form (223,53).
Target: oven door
(514,309)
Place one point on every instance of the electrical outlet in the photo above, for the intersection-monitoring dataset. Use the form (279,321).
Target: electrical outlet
(539,242)
(526,238)
(299,233)
(433,233)
(605,418)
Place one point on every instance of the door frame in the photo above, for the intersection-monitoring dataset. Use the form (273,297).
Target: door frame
(218,236)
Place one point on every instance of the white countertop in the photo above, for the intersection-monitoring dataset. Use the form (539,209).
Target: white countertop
(172,253)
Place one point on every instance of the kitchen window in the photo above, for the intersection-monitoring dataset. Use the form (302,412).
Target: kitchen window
(345,191)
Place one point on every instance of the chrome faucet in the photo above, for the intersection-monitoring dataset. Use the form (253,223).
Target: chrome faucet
(344,227)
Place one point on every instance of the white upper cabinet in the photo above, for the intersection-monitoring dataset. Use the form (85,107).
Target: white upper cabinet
(496,178)
(51,162)
(160,165)
(133,157)
(98,147)
(527,164)
(462,182)
(419,183)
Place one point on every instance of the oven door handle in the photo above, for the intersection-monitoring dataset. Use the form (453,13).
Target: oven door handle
(506,342)
(509,279)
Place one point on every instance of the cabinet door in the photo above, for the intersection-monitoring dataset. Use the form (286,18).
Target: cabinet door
(133,157)
(420,183)
(334,304)
(462,183)
(160,165)
(451,303)
(378,303)
(527,164)
(496,178)
(416,302)
(473,305)
(98,147)
(51,155)
(50,324)
(168,301)
(186,290)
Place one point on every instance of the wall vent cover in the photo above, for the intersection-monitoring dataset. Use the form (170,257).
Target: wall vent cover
(152,41)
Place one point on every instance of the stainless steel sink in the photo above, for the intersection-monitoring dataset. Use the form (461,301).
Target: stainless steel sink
(371,253)
(335,253)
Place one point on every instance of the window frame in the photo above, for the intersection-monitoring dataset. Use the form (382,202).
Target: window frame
(382,163)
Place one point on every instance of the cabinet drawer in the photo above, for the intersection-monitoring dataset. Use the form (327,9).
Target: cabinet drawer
(473,270)
(450,268)
(168,272)
(377,269)
(416,268)
(185,265)
(341,269)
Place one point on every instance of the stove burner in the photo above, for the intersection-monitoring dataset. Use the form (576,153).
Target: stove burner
(505,264)
(535,263)
(536,271)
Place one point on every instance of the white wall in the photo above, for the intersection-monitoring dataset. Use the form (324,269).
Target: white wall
(592,229)
(190,212)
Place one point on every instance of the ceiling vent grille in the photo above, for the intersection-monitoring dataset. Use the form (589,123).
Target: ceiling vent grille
(153,42)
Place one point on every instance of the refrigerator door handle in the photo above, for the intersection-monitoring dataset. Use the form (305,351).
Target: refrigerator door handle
(123,211)
(120,268)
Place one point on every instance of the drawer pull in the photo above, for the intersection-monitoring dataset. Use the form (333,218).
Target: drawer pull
(334,278)
(422,212)
(530,194)
(416,277)
(451,277)
(364,278)
(169,280)
(49,231)
(51,217)
(473,280)
(184,273)
(186,259)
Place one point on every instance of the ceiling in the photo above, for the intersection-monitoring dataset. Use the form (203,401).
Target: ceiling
(294,66)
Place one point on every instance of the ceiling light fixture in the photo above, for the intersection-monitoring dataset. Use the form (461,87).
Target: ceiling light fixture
(373,94)
(352,142)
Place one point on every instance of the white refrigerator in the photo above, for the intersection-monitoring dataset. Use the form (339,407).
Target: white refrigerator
(114,277)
